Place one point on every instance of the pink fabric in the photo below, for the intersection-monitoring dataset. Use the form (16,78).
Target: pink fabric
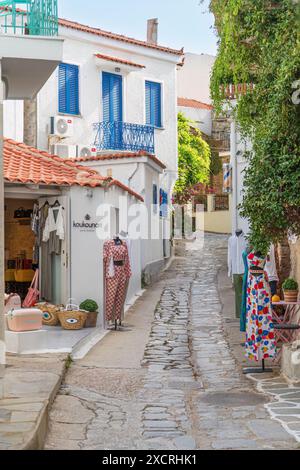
(33,292)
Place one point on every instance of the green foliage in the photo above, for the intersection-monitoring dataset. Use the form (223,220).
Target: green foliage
(259,43)
(89,306)
(290,284)
(215,164)
(194,157)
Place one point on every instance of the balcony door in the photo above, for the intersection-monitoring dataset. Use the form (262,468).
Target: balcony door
(112,95)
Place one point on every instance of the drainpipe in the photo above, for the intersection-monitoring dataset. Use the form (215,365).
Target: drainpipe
(233,161)
(2,323)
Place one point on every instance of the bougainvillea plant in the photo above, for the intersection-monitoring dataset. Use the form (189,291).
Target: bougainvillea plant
(259,43)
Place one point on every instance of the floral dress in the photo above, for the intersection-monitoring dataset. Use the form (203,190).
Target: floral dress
(260,337)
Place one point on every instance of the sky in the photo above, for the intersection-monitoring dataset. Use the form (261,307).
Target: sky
(182,23)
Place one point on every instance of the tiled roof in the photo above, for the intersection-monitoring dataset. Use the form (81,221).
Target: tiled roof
(119,61)
(118,37)
(120,156)
(24,164)
(188,103)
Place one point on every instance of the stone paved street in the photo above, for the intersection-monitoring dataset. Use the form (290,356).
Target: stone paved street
(171,380)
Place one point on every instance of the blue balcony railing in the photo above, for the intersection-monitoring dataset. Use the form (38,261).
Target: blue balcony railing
(124,136)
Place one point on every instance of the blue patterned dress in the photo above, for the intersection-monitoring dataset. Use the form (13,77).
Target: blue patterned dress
(260,336)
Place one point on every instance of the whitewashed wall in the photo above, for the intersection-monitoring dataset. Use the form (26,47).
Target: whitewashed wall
(86,249)
(13,121)
(202,118)
(79,49)
(194,77)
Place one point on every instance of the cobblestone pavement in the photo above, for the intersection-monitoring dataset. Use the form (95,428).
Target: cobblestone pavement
(187,393)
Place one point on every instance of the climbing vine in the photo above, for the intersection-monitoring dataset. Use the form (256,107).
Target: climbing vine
(259,44)
(194,157)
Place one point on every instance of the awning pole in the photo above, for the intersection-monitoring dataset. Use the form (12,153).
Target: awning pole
(2,322)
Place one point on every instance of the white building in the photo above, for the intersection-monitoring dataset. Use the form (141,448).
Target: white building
(114,94)
(194,77)
(198,112)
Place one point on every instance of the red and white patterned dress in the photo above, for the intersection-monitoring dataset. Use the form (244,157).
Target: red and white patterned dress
(116,278)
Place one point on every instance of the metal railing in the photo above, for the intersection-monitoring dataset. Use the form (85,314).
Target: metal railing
(124,136)
(29,17)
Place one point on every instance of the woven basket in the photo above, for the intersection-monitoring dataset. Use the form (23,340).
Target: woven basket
(50,314)
(72,319)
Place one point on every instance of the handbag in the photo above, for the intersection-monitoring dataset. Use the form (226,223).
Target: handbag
(33,292)
(19,213)
(12,302)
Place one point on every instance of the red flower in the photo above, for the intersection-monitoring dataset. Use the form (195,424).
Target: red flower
(261,285)
(271,335)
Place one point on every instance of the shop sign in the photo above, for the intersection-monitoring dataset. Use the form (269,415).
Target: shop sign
(87,225)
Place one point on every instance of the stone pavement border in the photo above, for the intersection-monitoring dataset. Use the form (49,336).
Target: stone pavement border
(30,387)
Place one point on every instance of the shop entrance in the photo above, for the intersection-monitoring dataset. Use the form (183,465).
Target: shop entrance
(25,251)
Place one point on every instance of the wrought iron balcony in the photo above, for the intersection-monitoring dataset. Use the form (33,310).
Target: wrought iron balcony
(30,17)
(124,136)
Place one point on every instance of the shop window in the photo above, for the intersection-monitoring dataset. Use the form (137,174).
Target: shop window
(221,203)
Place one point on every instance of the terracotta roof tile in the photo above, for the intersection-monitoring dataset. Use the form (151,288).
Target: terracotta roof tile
(119,61)
(119,156)
(119,37)
(24,164)
(188,103)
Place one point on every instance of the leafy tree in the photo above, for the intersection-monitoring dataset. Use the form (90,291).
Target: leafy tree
(259,43)
(194,159)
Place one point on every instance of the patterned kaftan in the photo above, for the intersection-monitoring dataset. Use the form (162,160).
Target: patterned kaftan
(260,337)
(116,278)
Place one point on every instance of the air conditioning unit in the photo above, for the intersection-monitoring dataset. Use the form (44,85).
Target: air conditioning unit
(64,151)
(62,126)
(84,151)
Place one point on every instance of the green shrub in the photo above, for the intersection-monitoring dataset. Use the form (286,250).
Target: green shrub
(89,306)
(290,284)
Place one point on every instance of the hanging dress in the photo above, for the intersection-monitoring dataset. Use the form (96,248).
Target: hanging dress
(244,295)
(260,336)
(117,273)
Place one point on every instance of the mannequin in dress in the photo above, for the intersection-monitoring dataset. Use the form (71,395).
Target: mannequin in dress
(117,272)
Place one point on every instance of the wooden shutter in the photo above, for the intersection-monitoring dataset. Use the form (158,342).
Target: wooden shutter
(153,104)
(112,97)
(68,92)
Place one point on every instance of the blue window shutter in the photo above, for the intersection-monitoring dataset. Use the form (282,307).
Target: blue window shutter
(105,96)
(153,104)
(68,89)
(112,95)
(148,103)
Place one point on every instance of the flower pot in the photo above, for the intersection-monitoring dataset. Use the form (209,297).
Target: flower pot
(291,295)
(91,320)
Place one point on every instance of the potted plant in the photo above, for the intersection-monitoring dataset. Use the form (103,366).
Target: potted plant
(91,307)
(291,290)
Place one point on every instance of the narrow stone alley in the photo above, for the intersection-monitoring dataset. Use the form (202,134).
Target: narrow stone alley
(173,378)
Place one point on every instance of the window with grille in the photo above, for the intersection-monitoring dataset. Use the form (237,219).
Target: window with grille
(221,203)
(68,89)
(153,104)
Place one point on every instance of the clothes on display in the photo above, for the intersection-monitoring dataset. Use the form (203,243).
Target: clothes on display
(236,246)
(51,234)
(124,237)
(271,270)
(244,294)
(260,335)
(117,272)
